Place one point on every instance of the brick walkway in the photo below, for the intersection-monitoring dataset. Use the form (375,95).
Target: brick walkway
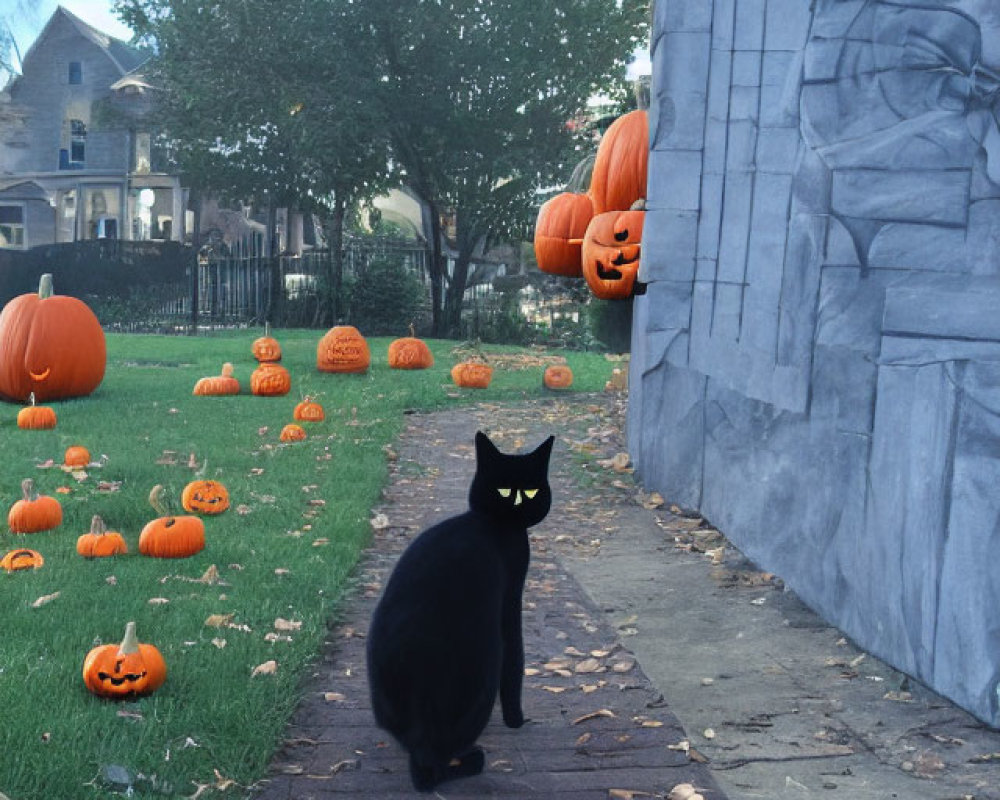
(597,728)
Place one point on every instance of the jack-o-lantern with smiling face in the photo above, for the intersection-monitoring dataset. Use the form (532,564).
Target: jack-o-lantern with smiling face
(50,345)
(611,249)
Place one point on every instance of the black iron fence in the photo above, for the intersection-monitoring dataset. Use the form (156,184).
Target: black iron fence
(167,286)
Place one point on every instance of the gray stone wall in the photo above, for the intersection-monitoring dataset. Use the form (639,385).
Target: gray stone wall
(816,361)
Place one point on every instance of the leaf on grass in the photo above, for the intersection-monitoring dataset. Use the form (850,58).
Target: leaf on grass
(210,575)
(277,637)
(221,785)
(653,500)
(63,490)
(158,601)
(45,599)
(219,642)
(219,620)
(46,464)
(287,624)
(601,712)
(125,713)
(109,486)
(267,668)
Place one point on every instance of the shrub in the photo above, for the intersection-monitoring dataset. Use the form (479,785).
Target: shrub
(385,297)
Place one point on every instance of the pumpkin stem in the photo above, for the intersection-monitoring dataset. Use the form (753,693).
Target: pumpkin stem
(227,370)
(413,331)
(97,526)
(130,644)
(28,489)
(157,500)
(45,288)
(31,399)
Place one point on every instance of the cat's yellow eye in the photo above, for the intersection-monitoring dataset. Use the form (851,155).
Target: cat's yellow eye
(530,493)
(505,493)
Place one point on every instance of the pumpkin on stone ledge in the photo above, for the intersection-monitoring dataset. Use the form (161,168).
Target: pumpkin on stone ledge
(611,251)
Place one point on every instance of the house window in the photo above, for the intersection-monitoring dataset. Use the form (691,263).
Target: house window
(75,73)
(12,226)
(77,141)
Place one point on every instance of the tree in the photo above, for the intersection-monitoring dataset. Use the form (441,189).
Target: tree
(476,94)
(262,106)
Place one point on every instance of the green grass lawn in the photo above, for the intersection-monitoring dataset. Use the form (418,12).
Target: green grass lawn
(284,550)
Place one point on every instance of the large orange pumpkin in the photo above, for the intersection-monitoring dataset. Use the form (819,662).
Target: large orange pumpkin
(611,251)
(472,374)
(126,669)
(409,352)
(343,349)
(34,512)
(619,175)
(52,345)
(270,380)
(562,221)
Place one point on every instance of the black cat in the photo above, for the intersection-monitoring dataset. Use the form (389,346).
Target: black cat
(446,634)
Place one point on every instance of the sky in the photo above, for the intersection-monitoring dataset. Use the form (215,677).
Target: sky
(28,17)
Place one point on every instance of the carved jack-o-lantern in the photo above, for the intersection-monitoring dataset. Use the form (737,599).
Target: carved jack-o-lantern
(409,352)
(126,669)
(266,348)
(21,558)
(343,349)
(611,250)
(205,497)
(308,411)
(270,380)
(557,376)
(292,432)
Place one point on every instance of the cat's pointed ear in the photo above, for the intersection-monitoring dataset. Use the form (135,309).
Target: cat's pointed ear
(544,450)
(484,447)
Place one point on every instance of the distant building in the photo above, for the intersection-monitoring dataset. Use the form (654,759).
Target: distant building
(76,159)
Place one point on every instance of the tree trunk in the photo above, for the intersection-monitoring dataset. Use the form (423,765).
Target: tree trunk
(195,200)
(456,294)
(277,293)
(437,271)
(335,301)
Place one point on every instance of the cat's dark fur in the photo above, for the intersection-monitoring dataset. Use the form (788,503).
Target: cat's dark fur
(445,637)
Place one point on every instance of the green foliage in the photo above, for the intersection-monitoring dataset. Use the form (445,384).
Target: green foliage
(610,322)
(386,298)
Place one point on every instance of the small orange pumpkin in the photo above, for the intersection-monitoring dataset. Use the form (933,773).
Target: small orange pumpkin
(76,456)
(35,417)
(124,670)
(100,542)
(266,348)
(170,536)
(308,411)
(214,385)
(611,252)
(21,558)
(344,350)
(472,374)
(33,512)
(292,433)
(205,497)
(559,229)
(270,380)
(557,376)
(409,352)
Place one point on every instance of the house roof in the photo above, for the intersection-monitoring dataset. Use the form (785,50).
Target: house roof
(125,57)
(25,190)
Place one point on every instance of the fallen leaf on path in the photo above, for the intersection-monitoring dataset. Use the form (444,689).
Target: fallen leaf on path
(334,697)
(626,794)
(601,712)
(587,665)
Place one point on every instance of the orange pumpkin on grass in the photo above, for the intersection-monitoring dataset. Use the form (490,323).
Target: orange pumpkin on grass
(76,456)
(611,250)
(344,350)
(270,380)
(557,376)
(266,348)
(170,536)
(308,411)
(53,345)
(21,558)
(409,352)
(34,512)
(124,670)
(214,385)
(472,374)
(99,542)
(292,433)
(36,417)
